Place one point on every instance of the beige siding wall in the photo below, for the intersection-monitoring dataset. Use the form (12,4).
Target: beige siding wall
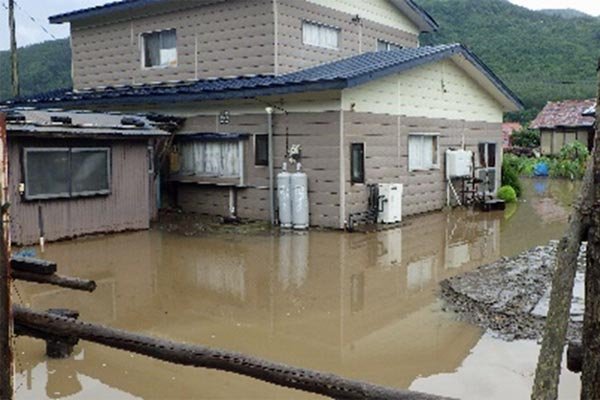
(229,38)
(386,156)
(436,90)
(381,11)
(317,133)
(225,39)
(126,208)
(293,54)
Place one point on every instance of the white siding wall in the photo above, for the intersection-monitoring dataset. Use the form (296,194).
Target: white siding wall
(380,11)
(438,90)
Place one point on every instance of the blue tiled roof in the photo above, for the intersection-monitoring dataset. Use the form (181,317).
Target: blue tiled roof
(129,5)
(342,74)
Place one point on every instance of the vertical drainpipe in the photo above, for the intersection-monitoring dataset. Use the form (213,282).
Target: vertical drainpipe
(269,111)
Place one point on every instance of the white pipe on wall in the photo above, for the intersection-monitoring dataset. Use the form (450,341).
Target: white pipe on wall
(269,111)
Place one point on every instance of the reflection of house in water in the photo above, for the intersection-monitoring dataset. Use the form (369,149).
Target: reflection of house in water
(358,305)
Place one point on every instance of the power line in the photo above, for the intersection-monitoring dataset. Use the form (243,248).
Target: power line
(35,21)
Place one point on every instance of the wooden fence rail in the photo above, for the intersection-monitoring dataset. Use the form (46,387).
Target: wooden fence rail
(325,384)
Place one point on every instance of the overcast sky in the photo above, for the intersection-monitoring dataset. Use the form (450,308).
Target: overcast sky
(29,32)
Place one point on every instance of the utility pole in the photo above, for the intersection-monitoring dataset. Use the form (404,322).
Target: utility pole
(13,49)
(6,321)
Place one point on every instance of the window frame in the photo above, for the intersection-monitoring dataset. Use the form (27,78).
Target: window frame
(321,25)
(262,163)
(239,144)
(142,42)
(362,178)
(70,195)
(388,44)
(435,157)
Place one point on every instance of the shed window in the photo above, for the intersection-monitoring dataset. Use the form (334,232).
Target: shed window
(219,159)
(261,150)
(423,152)
(383,45)
(320,35)
(66,172)
(160,49)
(357,162)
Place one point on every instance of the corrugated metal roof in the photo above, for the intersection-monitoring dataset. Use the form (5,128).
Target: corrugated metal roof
(345,73)
(413,10)
(78,124)
(568,114)
(590,112)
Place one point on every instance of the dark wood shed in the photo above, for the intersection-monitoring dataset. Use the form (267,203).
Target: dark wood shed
(79,173)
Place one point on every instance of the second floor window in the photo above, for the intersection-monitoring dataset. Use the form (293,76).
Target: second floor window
(320,35)
(382,45)
(160,49)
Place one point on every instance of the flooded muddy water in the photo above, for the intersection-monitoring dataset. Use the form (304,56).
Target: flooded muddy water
(361,305)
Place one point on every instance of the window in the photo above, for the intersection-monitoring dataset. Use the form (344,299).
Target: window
(383,45)
(320,35)
(160,49)
(66,172)
(487,155)
(357,163)
(261,150)
(218,159)
(487,163)
(423,152)
(150,153)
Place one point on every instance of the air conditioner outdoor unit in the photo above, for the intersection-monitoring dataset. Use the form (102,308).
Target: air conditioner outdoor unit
(390,203)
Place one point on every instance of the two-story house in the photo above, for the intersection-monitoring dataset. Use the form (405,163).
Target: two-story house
(347,81)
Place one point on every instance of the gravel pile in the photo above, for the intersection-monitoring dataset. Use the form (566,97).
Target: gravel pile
(511,295)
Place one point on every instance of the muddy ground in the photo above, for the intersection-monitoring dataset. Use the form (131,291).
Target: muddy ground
(511,296)
(194,225)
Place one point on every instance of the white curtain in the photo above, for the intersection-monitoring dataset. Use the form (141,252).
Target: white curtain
(319,35)
(214,159)
(160,48)
(422,152)
(168,48)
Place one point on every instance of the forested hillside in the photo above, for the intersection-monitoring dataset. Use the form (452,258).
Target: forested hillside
(42,67)
(541,57)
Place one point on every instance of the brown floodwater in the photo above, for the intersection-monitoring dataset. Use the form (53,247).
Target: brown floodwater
(361,305)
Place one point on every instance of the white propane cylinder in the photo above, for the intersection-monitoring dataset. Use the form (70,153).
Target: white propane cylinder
(300,214)
(284,196)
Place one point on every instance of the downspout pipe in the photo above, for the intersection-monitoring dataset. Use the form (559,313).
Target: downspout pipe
(269,111)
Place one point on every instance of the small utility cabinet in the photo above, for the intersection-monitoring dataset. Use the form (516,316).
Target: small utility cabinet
(390,203)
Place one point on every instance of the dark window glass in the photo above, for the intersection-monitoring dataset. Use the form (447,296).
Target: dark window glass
(47,173)
(261,150)
(89,171)
(492,155)
(487,155)
(64,173)
(160,49)
(357,163)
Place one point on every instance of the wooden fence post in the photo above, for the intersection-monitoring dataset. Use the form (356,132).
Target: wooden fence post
(6,322)
(591,326)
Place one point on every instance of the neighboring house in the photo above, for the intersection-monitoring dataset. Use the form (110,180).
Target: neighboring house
(508,128)
(78,173)
(564,122)
(347,81)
